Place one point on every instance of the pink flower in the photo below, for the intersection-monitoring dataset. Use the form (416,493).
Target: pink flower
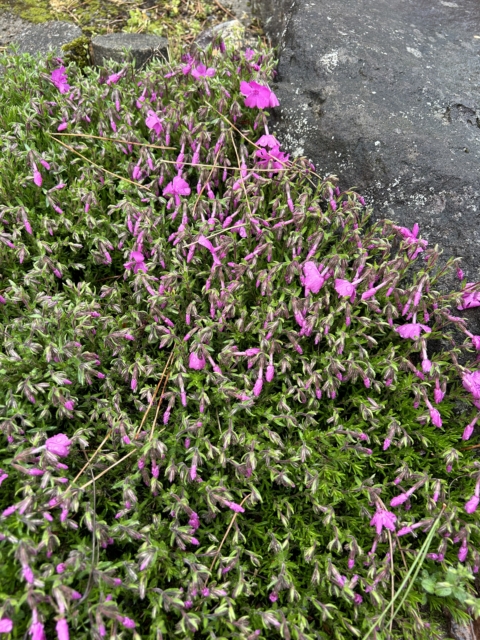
(398,500)
(3,476)
(27,574)
(435,417)
(59,79)
(467,433)
(69,404)
(178,187)
(257,389)
(136,262)
(37,631)
(357,599)
(344,288)
(58,445)
(462,554)
(268,141)
(258,95)
(472,505)
(128,623)
(114,78)
(204,242)
(273,159)
(426,365)
(37,176)
(273,597)
(470,298)
(412,330)
(201,71)
(270,372)
(313,280)
(62,629)
(153,122)
(471,382)
(249,53)
(234,506)
(60,568)
(6,625)
(196,362)
(383,518)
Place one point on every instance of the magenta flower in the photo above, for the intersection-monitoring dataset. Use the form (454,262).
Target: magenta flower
(114,78)
(136,262)
(59,445)
(412,330)
(472,505)
(59,79)
(60,568)
(268,141)
(249,53)
(3,476)
(234,506)
(435,416)
(69,405)
(178,187)
(202,240)
(344,288)
(128,623)
(27,574)
(37,176)
(62,629)
(273,159)
(196,362)
(6,625)
(37,631)
(471,382)
(153,122)
(412,238)
(470,299)
(201,71)
(313,280)
(258,95)
(398,500)
(383,518)
(270,372)
(273,597)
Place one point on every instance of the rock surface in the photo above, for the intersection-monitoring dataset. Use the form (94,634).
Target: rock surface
(142,47)
(386,95)
(11,26)
(42,38)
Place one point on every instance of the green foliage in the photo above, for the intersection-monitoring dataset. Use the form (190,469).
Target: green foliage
(452,588)
(310,411)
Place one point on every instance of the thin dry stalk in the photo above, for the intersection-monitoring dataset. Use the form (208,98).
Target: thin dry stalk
(89,135)
(137,431)
(226,535)
(159,404)
(87,484)
(98,166)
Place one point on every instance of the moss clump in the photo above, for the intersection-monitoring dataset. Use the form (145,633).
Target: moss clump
(78,51)
(35,11)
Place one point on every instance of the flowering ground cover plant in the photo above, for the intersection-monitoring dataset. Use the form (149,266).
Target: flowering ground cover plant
(220,414)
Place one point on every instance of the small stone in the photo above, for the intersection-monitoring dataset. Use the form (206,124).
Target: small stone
(142,48)
(45,37)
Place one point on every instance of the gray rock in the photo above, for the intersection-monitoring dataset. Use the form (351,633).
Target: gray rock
(233,31)
(45,37)
(142,48)
(10,27)
(385,94)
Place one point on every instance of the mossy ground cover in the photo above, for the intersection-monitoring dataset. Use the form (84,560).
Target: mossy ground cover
(179,20)
(220,413)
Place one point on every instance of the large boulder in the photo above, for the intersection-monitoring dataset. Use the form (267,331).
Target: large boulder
(386,95)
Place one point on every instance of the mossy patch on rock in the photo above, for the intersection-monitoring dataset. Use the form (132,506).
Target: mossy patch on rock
(78,51)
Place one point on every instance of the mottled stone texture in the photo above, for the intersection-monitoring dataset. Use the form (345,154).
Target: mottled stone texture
(141,48)
(386,95)
(49,36)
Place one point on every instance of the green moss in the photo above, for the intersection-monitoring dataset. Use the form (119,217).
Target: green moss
(32,10)
(78,51)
